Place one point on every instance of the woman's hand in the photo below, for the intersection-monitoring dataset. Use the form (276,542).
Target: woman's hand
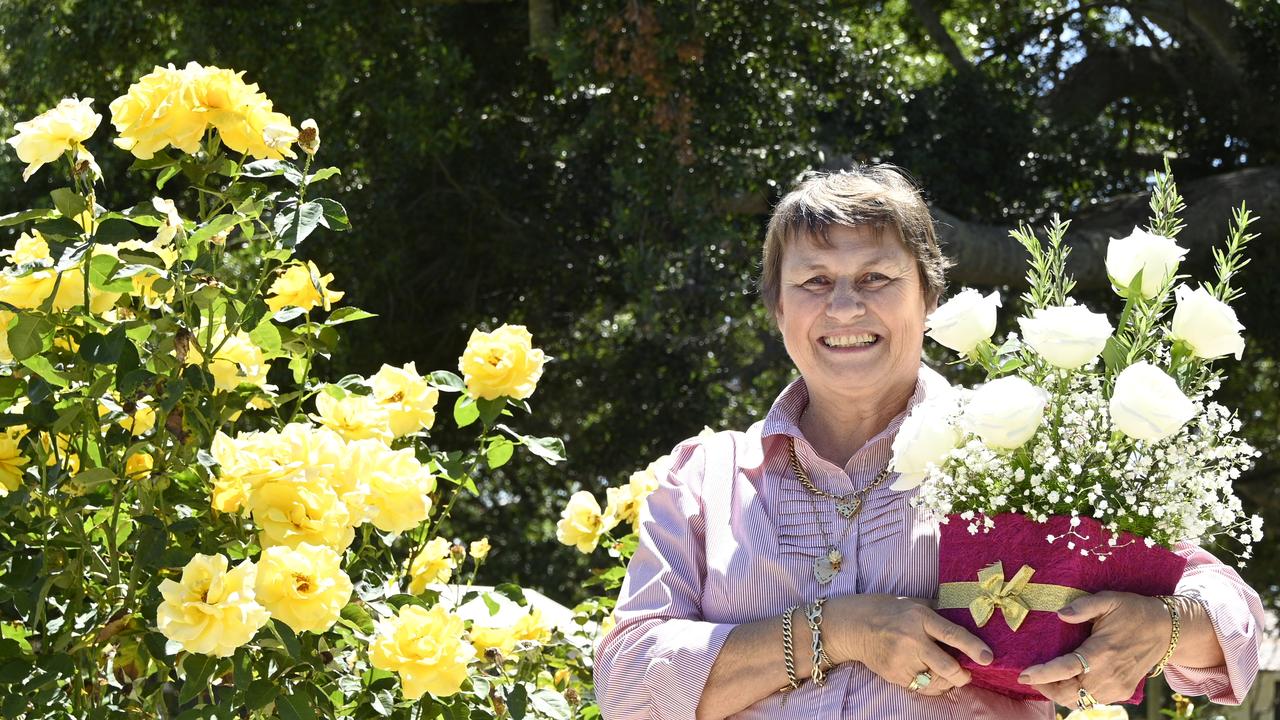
(1130,635)
(897,637)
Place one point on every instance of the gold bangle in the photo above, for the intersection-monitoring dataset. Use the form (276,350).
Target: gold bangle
(788,655)
(1171,604)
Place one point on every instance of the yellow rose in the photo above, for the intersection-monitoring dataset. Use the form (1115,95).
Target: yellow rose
(139,422)
(212,610)
(6,319)
(503,362)
(426,648)
(303,587)
(158,111)
(621,506)
(300,509)
(243,116)
(399,489)
(530,627)
(138,466)
(409,399)
(30,290)
(581,523)
(480,549)
(12,461)
(244,463)
(45,138)
(238,361)
(29,248)
(433,565)
(64,456)
(354,417)
(302,286)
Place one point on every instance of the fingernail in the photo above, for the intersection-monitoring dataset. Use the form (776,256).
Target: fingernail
(1024,678)
(985,657)
(1067,611)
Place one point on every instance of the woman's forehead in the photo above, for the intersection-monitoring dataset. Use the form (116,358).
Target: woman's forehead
(863,244)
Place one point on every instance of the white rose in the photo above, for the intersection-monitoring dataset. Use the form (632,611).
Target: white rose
(1155,256)
(1207,324)
(1068,337)
(1147,404)
(925,438)
(1006,412)
(964,321)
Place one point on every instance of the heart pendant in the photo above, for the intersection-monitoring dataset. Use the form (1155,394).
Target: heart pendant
(848,508)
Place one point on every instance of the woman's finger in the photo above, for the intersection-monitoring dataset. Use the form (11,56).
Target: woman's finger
(949,633)
(1064,692)
(942,665)
(1056,670)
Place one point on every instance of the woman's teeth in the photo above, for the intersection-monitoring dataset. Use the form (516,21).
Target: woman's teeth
(849,341)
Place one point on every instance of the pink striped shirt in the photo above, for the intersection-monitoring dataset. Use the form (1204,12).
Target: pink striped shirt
(730,536)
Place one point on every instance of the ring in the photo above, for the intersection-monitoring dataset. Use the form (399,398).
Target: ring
(1083,663)
(920,681)
(1085,700)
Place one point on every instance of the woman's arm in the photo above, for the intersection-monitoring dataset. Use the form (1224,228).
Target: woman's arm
(895,637)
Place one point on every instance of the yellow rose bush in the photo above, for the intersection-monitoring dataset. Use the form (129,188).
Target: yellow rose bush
(193,522)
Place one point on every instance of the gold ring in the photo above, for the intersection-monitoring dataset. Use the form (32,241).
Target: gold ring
(920,681)
(1084,664)
(1085,700)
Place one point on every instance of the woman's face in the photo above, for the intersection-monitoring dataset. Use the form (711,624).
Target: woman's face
(852,315)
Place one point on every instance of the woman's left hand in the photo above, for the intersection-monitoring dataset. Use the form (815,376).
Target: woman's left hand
(1130,635)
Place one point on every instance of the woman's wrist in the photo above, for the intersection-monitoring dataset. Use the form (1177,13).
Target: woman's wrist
(844,629)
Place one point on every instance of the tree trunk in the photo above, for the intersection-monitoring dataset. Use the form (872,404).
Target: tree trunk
(986,255)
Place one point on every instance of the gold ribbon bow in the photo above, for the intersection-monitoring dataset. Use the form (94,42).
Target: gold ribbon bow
(1015,598)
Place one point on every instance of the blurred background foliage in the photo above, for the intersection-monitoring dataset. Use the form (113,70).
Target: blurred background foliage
(601,171)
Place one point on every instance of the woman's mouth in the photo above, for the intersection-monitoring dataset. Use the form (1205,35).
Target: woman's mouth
(862,340)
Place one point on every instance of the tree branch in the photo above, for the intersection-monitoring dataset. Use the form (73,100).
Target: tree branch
(542,26)
(928,16)
(985,254)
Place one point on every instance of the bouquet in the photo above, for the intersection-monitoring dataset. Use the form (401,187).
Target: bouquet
(1091,450)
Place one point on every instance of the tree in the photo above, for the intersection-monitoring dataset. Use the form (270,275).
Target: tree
(602,171)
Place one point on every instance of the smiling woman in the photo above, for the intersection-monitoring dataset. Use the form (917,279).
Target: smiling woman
(753,537)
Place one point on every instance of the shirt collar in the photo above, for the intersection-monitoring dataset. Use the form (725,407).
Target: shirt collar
(783,418)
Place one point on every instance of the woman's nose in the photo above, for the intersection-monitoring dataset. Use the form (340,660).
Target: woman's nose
(845,302)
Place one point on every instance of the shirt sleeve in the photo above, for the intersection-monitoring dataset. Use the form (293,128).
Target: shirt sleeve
(655,661)
(1237,616)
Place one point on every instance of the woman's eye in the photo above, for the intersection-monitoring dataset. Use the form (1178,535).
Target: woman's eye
(815,282)
(876,279)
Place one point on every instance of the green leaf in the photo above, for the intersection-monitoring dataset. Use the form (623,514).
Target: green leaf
(465,411)
(199,669)
(512,592)
(490,410)
(517,702)
(261,692)
(166,175)
(101,269)
(295,705)
(30,335)
(61,228)
(348,314)
(301,223)
(447,382)
(113,231)
(22,216)
(335,216)
(213,227)
(286,636)
(69,202)
(490,603)
(551,704)
(358,617)
(266,336)
(499,452)
(155,162)
(263,168)
(550,449)
(323,174)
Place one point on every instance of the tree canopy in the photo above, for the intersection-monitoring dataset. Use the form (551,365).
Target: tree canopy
(601,172)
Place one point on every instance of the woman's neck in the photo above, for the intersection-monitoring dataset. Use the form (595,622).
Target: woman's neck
(837,427)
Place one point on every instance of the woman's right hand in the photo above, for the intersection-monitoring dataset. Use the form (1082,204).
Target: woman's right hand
(898,637)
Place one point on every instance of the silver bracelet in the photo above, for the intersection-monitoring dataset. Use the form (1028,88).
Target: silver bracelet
(814,616)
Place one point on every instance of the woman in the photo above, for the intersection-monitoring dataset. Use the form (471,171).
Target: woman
(750,530)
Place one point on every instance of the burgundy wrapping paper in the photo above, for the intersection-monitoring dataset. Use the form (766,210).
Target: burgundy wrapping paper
(1016,540)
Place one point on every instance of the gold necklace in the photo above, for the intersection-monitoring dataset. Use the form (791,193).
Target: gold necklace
(827,565)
